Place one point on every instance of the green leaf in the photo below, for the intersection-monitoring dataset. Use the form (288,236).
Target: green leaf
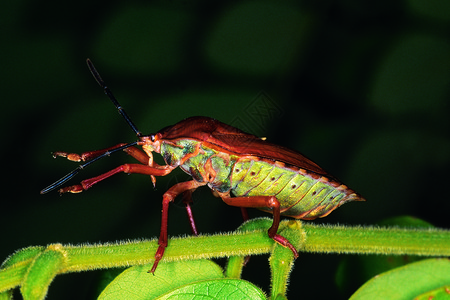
(105,278)
(137,283)
(408,281)
(440,293)
(216,289)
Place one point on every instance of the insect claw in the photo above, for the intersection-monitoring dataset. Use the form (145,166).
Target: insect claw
(71,189)
(74,157)
(57,153)
(69,156)
(159,254)
(285,243)
(246,260)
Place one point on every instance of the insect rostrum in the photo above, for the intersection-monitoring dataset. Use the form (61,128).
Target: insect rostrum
(242,169)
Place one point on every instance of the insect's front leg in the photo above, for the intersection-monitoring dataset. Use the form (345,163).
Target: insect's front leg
(139,155)
(270,202)
(126,168)
(168,197)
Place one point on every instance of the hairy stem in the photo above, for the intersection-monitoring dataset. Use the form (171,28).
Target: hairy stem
(27,265)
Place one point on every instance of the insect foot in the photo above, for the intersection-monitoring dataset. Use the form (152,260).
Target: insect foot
(70,156)
(285,243)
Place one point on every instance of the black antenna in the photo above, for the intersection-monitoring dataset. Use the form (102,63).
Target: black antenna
(108,92)
(69,176)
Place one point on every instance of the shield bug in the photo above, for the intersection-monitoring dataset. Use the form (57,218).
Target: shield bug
(242,169)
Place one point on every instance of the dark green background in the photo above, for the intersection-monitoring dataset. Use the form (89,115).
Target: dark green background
(361,87)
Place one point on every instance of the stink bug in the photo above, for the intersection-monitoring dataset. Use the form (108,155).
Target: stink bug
(230,162)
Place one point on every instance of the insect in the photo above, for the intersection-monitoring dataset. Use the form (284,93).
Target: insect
(230,162)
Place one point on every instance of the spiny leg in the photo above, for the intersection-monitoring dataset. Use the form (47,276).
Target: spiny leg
(270,202)
(168,197)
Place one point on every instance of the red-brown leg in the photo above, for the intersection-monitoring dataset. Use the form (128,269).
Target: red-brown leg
(136,153)
(267,202)
(139,155)
(126,168)
(168,197)
(244,213)
(187,200)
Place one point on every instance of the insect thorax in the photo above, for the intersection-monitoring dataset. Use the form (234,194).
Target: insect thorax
(203,163)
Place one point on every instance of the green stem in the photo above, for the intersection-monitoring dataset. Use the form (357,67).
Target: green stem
(318,238)
(282,259)
(376,240)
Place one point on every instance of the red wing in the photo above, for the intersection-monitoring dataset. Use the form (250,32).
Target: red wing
(243,145)
(236,141)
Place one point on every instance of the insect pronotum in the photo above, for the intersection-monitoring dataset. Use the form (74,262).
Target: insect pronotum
(229,161)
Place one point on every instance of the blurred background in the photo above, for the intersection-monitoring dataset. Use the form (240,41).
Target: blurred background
(360,87)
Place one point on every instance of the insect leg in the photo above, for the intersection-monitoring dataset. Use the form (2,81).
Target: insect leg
(139,155)
(245,217)
(267,202)
(168,197)
(187,200)
(126,168)
(244,213)
(136,153)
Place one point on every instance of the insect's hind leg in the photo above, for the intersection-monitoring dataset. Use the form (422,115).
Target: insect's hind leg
(270,202)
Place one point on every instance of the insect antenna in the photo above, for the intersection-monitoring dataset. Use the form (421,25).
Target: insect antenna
(110,95)
(69,176)
(108,92)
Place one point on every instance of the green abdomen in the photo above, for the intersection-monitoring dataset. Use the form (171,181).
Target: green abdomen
(301,194)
